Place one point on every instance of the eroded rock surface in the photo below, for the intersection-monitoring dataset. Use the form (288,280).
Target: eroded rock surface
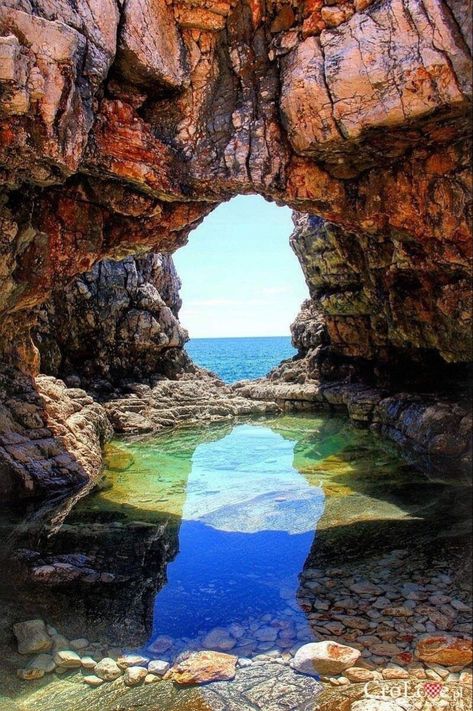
(51,437)
(139,119)
(118,320)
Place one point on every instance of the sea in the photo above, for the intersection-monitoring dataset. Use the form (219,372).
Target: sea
(240,358)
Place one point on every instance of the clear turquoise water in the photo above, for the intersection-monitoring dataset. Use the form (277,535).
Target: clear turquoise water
(240,358)
(250,501)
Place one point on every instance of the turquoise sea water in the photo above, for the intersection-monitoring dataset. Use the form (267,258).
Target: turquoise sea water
(240,358)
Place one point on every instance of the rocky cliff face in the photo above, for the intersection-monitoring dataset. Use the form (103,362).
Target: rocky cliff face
(390,305)
(123,125)
(120,320)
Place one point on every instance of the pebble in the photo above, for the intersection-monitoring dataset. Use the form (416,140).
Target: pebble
(161,644)
(107,669)
(158,667)
(151,679)
(44,662)
(219,639)
(93,680)
(134,675)
(79,644)
(88,663)
(67,659)
(132,660)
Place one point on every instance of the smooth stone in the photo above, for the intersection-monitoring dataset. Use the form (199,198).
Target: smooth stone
(219,639)
(88,663)
(134,675)
(67,659)
(204,667)
(107,669)
(151,678)
(132,660)
(44,662)
(266,634)
(80,643)
(358,675)
(244,662)
(161,644)
(236,630)
(93,680)
(158,667)
(327,658)
(32,636)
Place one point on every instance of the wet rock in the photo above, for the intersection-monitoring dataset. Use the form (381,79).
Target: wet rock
(30,674)
(161,645)
(107,669)
(67,659)
(326,658)
(151,678)
(445,650)
(79,644)
(44,662)
(266,634)
(134,675)
(88,663)
(132,660)
(158,667)
(359,675)
(92,680)
(220,639)
(32,636)
(204,667)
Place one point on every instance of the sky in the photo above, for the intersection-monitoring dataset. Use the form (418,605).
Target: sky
(239,275)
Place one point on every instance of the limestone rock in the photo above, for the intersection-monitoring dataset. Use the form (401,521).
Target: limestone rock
(119,320)
(67,659)
(134,675)
(445,650)
(92,680)
(32,637)
(44,662)
(132,660)
(107,669)
(158,667)
(204,667)
(219,639)
(324,658)
(150,48)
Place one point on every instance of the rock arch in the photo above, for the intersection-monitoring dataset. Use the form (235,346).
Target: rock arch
(136,122)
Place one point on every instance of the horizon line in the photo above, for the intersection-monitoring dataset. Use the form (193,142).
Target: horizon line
(207,338)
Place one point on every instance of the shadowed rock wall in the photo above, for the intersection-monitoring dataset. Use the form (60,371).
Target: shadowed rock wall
(122,126)
(120,320)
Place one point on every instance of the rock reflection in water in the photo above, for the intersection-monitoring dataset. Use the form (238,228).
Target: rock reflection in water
(205,538)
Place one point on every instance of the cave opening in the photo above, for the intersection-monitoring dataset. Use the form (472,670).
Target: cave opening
(242,287)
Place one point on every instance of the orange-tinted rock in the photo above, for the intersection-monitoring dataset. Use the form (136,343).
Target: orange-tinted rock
(445,650)
(325,658)
(151,51)
(202,668)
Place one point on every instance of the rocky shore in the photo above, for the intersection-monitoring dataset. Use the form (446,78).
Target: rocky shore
(389,619)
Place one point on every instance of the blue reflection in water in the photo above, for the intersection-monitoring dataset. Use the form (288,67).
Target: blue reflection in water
(247,527)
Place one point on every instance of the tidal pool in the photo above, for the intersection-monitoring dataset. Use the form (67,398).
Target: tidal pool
(199,538)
